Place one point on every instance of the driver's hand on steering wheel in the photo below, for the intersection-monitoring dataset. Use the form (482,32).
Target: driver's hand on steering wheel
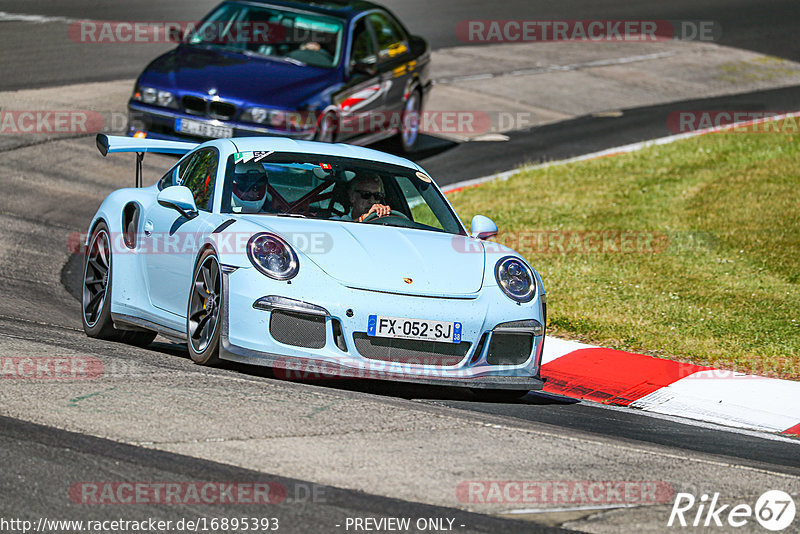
(381,210)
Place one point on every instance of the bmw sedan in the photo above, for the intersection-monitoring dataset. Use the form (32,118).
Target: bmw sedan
(329,71)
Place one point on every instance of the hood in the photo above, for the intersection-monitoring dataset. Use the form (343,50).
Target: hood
(381,258)
(236,77)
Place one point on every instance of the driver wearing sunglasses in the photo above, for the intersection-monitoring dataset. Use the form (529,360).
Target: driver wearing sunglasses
(366,196)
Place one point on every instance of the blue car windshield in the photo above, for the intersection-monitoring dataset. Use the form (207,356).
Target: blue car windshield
(297,37)
(335,188)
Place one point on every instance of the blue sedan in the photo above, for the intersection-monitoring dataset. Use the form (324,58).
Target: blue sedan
(328,71)
(301,255)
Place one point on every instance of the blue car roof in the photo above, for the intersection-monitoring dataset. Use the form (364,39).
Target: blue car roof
(346,9)
(285,144)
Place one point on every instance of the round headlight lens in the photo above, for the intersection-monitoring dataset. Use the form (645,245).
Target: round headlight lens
(166,99)
(272,256)
(515,278)
(149,95)
(258,115)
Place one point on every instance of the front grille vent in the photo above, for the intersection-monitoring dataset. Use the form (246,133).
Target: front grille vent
(194,105)
(221,110)
(410,351)
(298,329)
(508,348)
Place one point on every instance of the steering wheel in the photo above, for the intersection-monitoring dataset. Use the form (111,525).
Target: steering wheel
(373,216)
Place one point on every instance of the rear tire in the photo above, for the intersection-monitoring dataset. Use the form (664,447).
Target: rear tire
(203,314)
(499,395)
(96,295)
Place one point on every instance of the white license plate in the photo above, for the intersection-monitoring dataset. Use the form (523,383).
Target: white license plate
(202,129)
(404,328)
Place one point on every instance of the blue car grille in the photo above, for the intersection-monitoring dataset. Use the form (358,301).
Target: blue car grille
(194,105)
(215,109)
(221,110)
(409,350)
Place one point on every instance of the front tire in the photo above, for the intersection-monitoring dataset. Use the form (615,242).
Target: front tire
(409,131)
(203,315)
(96,297)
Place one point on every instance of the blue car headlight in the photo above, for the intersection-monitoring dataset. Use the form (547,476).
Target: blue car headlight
(515,278)
(273,117)
(272,256)
(155,97)
(277,118)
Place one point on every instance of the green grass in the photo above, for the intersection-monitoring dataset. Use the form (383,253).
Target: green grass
(719,282)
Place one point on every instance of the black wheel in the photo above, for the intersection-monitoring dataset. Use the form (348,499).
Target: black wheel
(409,132)
(499,395)
(326,129)
(96,298)
(203,317)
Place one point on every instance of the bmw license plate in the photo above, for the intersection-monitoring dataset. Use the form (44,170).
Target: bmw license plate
(404,328)
(202,129)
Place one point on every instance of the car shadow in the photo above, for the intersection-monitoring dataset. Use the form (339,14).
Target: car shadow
(371,386)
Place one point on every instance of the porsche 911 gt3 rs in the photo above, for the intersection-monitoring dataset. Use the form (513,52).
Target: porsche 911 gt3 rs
(297,254)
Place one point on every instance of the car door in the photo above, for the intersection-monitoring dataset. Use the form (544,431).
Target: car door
(395,64)
(173,240)
(364,93)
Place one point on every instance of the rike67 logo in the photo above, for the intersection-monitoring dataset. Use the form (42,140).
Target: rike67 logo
(774,510)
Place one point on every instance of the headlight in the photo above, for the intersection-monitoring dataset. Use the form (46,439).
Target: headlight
(165,99)
(157,97)
(272,256)
(515,278)
(278,118)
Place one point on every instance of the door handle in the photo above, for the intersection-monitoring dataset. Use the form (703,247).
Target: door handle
(148,228)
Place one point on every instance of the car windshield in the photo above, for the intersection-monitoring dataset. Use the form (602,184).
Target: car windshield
(334,188)
(296,37)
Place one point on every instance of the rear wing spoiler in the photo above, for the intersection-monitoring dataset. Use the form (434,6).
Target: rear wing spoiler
(117,143)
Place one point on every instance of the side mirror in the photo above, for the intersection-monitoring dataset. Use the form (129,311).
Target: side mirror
(418,45)
(180,199)
(482,227)
(364,68)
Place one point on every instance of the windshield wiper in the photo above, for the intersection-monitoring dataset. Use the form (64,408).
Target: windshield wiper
(292,61)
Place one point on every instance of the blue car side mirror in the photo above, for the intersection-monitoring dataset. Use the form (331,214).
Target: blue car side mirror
(179,198)
(482,227)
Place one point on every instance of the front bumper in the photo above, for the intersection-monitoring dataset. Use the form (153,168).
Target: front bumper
(159,123)
(245,338)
